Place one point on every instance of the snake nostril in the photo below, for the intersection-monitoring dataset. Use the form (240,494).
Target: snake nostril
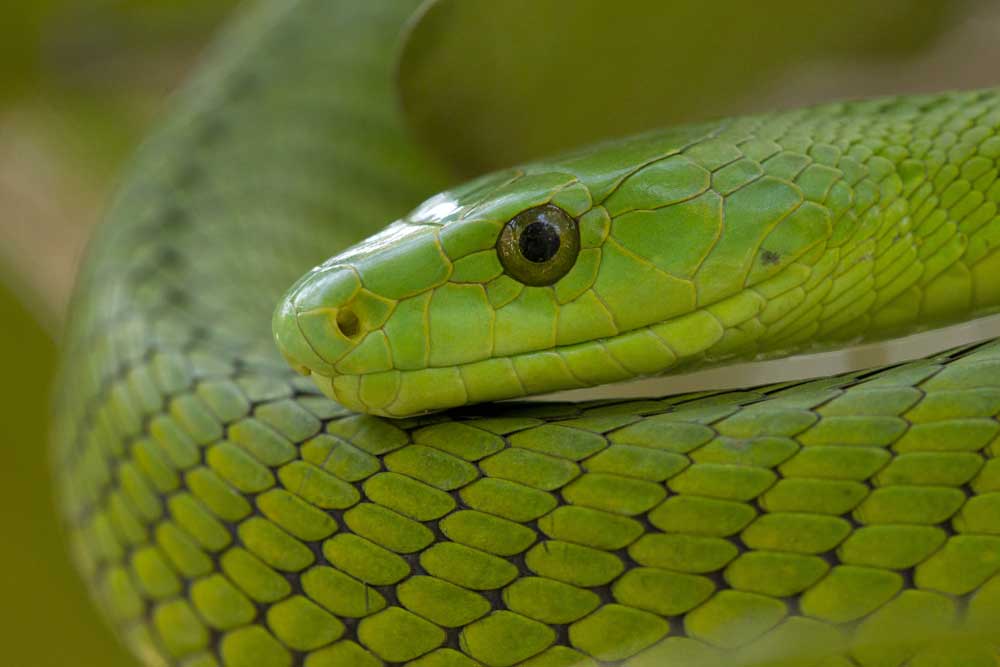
(348,323)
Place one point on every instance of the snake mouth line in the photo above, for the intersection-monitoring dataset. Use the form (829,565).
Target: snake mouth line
(351,389)
(646,351)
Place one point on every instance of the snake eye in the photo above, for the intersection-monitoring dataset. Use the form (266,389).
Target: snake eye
(539,246)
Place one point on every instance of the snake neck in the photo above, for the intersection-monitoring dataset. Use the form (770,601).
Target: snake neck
(910,189)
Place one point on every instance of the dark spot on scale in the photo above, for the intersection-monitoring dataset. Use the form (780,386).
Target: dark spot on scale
(769,257)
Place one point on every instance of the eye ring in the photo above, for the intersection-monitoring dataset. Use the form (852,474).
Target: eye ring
(539,246)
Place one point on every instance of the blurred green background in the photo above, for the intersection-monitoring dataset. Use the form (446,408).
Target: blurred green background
(81,81)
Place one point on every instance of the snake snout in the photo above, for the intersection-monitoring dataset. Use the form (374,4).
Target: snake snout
(324,324)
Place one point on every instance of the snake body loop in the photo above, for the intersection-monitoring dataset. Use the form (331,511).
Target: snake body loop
(225,512)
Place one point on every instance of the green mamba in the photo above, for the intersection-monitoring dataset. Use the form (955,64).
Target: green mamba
(224,512)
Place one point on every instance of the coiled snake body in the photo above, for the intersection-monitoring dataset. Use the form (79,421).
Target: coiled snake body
(225,512)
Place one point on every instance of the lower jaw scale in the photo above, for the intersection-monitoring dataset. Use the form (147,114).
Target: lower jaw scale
(407,393)
(397,393)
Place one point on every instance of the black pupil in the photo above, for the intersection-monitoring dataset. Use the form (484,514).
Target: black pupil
(539,242)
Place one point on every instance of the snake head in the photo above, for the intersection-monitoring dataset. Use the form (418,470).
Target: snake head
(630,259)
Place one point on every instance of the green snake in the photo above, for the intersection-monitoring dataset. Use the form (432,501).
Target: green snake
(224,511)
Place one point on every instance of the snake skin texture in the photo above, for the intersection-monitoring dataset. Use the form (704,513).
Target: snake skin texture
(226,513)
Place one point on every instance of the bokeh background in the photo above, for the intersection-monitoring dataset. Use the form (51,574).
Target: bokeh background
(81,81)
